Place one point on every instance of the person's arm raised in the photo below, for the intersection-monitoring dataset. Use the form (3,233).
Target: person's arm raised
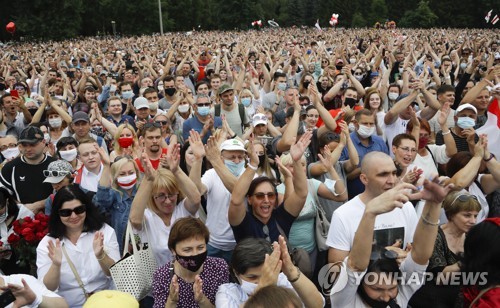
(144,192)
(198,152)
(214,157)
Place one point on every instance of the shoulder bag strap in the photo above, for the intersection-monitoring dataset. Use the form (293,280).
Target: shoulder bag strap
(73,269)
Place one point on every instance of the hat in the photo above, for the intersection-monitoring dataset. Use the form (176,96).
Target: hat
(31,134)
(466,106)
(259,118)
(232,145)
(80,116)
(57,171)
(225,88)
(141,102)
(339,61)
(111,299)
(210,66)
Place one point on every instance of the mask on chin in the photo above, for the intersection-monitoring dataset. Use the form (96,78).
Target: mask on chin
(375,303)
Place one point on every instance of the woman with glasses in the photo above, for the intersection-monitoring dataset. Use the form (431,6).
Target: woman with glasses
(170,195)
(461,209)
(74,258)
(166,129)
(125,142)
(265,218)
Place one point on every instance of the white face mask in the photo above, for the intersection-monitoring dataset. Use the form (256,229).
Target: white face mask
(365,131)
(55,122)
(11,153)
(127,182)
(112,88)
(351,127)
(352,60)
(183,108)
(248,287)
(393,96)
(153,106)
(46,137)
(69,155)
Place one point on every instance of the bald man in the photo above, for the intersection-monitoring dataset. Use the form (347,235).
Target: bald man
(395,228)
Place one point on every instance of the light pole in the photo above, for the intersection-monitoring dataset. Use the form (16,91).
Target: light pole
(161,21)
(113,25)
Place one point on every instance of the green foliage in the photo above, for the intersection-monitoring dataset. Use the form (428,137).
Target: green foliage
(422,17)
(358,21)
(378,12)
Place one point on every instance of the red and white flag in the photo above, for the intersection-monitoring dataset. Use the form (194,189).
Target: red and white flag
(317,25)
(487,17)
(494,20)
(492,127)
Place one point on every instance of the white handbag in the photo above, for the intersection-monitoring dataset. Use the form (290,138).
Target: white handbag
(133,274)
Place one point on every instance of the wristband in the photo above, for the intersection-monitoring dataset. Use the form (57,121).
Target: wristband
(38,300)
(489,158)
(448,132)
(296,278)
(234,136)
(425,221)
(252,167)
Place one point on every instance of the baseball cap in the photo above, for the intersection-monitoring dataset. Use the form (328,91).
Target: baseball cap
(80,116)
(466,106)
(31,134)
(225,88)
(57,171)
(259,118)
(232,145)
(141,102)
(111,299)
(339,61)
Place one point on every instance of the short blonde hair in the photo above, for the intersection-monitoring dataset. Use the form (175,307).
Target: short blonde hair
(164,179)
(286,159)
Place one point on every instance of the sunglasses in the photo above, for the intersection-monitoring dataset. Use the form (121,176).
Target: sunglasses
(78,210)
(463,198)
(162,122)
(117,158)
(54,173)
(152,124)
(261,196)
(203,105)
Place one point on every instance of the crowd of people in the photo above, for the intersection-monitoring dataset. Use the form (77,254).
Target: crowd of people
(224,151)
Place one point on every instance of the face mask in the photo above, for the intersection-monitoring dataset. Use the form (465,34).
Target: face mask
(365,131)
(393,96)
(69,155)
(422,142)
(375,303)
(11,153)
(235,168)
(401,70)
(349,101)
(282,86)
(55,122)
(153,106)
(125,142)
(352,60)
(465,122)
(46,137)
(359,77)
(97,131)
(170,91)
(203,111)
(262,159)
(183,108)
(351,127)
(3,217)
(192,263)
(339,67)
(306,84)
(246,101)
(463,65)
(112,88)
(32,111)
(127,94)
(248,287)
(127,182)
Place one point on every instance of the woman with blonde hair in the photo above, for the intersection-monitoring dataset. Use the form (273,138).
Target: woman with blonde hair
(125,142)
(264,168)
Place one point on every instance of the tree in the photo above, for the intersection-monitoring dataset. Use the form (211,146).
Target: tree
(422,17)
(378,12)
(358,21)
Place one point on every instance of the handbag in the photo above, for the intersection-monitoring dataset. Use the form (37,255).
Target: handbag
(77,276)
(321,223)
(133,273)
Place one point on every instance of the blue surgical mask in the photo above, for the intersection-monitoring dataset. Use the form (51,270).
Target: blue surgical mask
(127,94)
(235,168)
(246,101)
(282,86)
(465,122)
(203,111)
(463,65)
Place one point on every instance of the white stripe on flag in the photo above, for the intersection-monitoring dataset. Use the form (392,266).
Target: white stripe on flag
(494,20)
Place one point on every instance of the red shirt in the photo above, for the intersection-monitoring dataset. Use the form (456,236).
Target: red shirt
(154,162)
(334,113)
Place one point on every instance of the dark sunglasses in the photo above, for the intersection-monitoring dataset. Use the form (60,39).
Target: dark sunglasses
(162,122)
(48,173)
(152,124)
(78,210)
(204,105)
(463,198)
(261,196)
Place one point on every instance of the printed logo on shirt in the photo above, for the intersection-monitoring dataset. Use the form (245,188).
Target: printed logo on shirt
(22,178)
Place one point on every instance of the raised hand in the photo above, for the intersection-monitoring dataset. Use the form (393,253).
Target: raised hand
(98,244)
(444,113)
(212,149)
(147,166)
(390,199)
(174,290)
(254,158)
(288,268)
(433,190)
(271,268)
(298,149)
(173,157)
(104,156)
(196,144)
(284,170)
(55,252)
(326,159)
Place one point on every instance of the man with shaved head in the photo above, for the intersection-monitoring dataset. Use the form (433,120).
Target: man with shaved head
(395,228)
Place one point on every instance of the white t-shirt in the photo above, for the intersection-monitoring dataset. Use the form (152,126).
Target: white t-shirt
(218,198)
(158,232)
(83,257)
(394,129)
(399,224)
(35,285)
(348,296)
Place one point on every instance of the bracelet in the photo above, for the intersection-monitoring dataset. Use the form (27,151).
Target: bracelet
(234,136)
(296,278)
(277,103)
(252,167)
(103,256)
(38,300)
(489,158)
(448,132)
(425,221)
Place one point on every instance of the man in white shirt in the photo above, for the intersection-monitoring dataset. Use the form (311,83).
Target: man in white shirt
(89,174)
(395,228)
(29,292)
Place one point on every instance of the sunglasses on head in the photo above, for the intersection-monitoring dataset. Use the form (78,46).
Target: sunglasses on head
(54,173)
(162,122)
(117,158)
(78,210)
(152,124)
(463,198)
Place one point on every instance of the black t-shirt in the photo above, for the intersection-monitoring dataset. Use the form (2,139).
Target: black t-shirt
(461,142)
(25,181)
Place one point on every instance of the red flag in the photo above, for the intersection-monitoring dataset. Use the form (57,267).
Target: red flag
(494,20)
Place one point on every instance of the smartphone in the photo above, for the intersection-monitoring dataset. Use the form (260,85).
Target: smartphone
(6,298)
(14,93)
(89,69)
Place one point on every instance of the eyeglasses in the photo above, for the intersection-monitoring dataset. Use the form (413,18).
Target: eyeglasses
(265,229)
(358,74)
(55,173)
(203,104)
(77,210)
(152,124)
(162,122)
(162,197)
(261,196)
(408,150)
(8,146)
(313,116)
(463,198)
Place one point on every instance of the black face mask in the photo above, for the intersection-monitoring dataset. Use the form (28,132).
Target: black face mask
(2,86)
(374,303)
(32,111)
(170,91)
(349,101)
(306,84)
(339,67)
(262,158)
(192,263)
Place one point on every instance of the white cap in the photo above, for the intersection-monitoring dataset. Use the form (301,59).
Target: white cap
(232,145)
(466,106)
(259,118)
(141,102)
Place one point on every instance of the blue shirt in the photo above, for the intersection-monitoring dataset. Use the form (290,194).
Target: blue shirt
(194,123)
(125,119)
(117,203)
(355,187)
